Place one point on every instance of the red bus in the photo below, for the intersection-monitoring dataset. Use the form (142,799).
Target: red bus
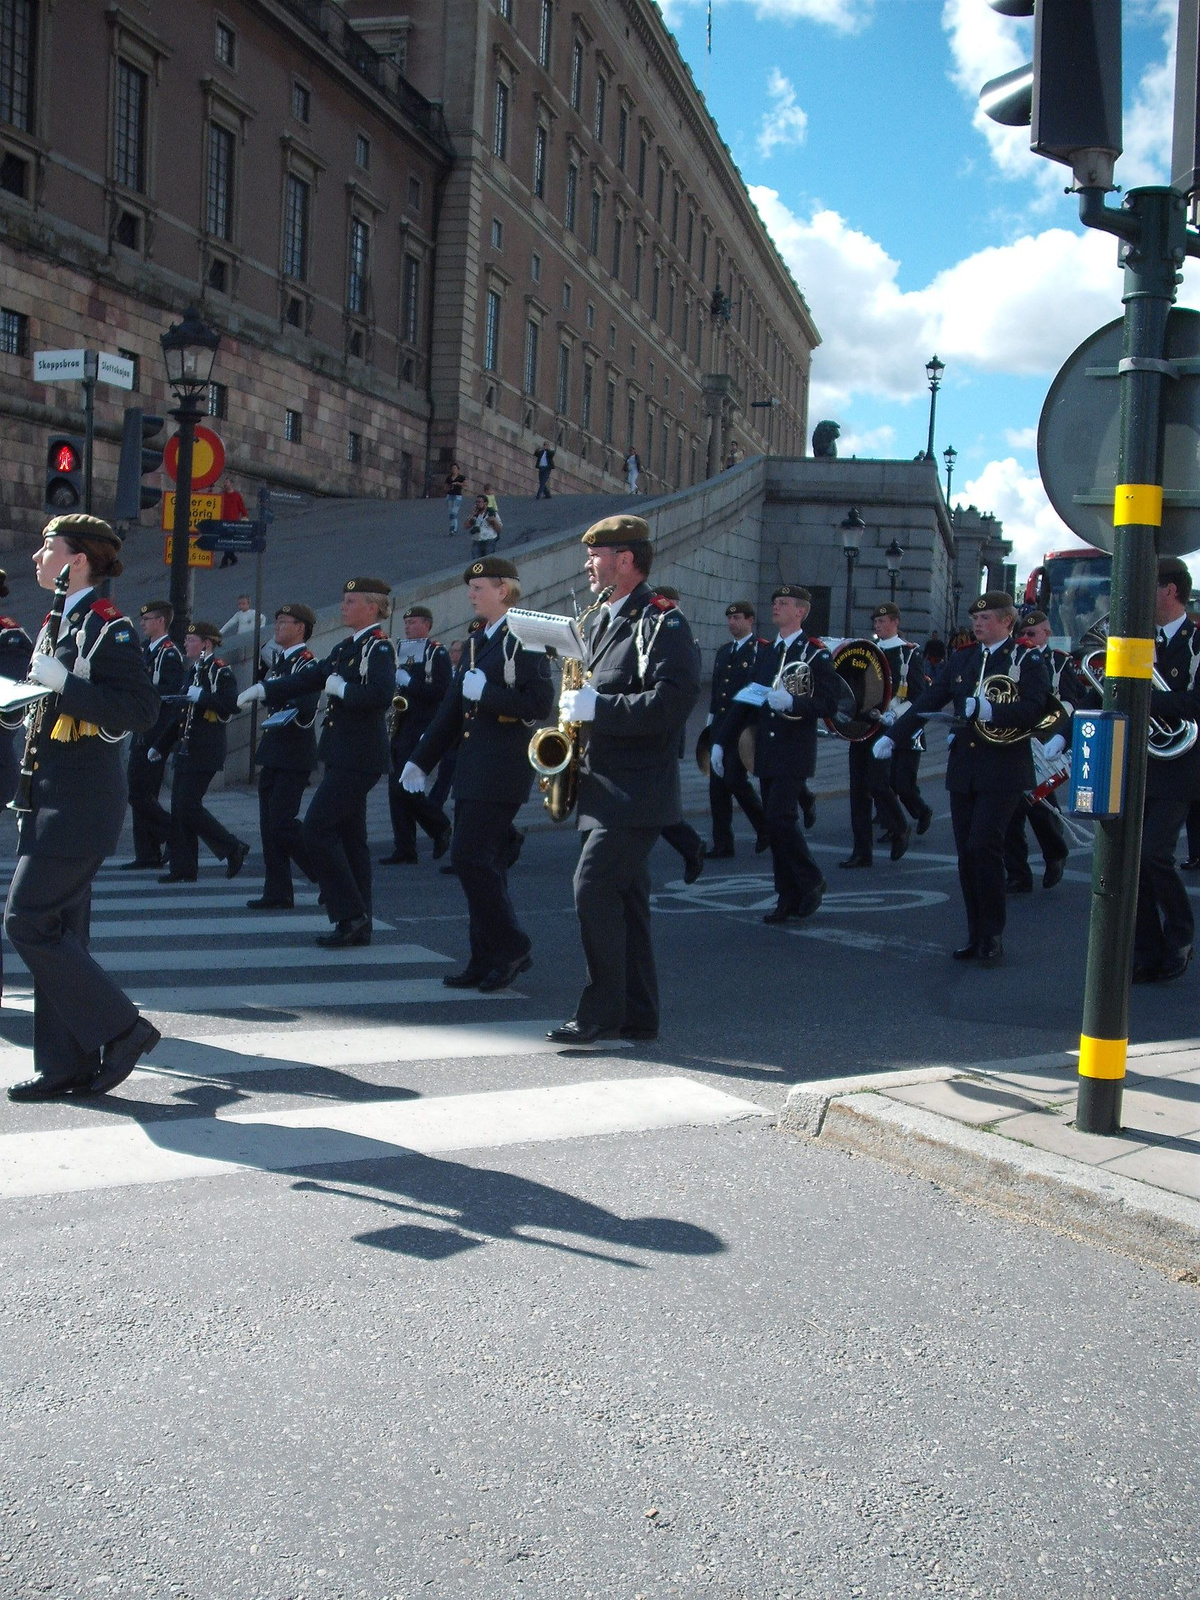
(1072,588)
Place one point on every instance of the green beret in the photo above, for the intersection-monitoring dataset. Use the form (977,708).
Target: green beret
(991,600)
(1031,619)
(298,613)
(158,608)
(886,608)
(206,630)
(490,567)
(740,608)
(619,530)
(420,611)
(367,586)
(665,592)
(792,591)
(79,525)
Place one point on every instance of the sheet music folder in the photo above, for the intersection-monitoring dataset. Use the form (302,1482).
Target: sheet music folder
(545,631)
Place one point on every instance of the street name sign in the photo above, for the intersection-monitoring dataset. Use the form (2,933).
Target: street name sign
(242,538)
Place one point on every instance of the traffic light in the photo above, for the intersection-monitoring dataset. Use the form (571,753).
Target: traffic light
(64,473)
(1070,93)
(140,455)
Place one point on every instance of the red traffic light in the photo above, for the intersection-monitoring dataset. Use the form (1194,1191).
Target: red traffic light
(66,458)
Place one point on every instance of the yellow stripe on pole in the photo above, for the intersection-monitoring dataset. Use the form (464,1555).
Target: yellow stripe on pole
(1138,503)
(1102,1058)
(1129,658)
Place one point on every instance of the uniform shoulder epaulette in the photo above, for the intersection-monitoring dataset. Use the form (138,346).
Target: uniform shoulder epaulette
(107,611)
(760,640)
(9,622)
(378,633)
(659,604)
(217,662)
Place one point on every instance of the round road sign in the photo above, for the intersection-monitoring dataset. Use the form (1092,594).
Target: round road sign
(208,458)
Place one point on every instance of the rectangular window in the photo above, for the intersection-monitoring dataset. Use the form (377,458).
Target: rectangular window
(637,270)
(585,409)
(539,162)
(610,410)
(414,194)
(630,424)
(703,255)
(505,9)
(564,379)
(572,196)
(655,286)
(664,453)
(353,447)
(616,247)
(491,334)
(675,217)
(622,136)
(601,97)
(590,315)
(691,232)
(14,333)
(301,102)
(576,76)
(643,153)
(410,308)
(362,152)
(497,234)
(293,426)
(547,19)
(566,297)
(136,361)
(649,440)
(500,130)
(671,310)
(221,147)
(129,142)
(226,44)
(295,228)
(594,225)
(535,267)
(661,195)
(17,19)
(532,334)
(218,400)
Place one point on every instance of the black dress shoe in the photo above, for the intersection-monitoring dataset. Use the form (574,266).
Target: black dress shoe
(966,952)
(693,866)
(1192,864)
(1174,964)
(351,930)
(122,1054)
(1018,885)
(781,913)
(811,901)
(725,853)
(1053,873)
(154,865)
(237,859)
(469,978)
(442,843)
(270,905)
(46,1089)
(762,844)
(856,860)
(900,843)
(990,951)
(501,977)
(175,877)
(575,1032)
(643,1035)
(924,821)
(397,860)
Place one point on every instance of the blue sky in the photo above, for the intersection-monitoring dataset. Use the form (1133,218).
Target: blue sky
(913,225)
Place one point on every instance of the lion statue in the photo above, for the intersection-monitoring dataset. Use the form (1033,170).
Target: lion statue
(824,440)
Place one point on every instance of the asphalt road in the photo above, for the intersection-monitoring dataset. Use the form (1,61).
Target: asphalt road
(319,1308)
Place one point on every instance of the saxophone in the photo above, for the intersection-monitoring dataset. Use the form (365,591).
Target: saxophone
(554,752)
(35,721)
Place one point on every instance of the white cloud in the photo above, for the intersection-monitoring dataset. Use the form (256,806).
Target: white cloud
(1016,498)
(1021,438)
(784,123)
(843,16)
(871,443)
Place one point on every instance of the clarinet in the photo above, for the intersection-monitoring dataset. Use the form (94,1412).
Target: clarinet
(22,800)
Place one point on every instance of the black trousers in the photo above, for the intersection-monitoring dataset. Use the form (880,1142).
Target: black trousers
(1193,831)
(870,785)
(151,821)
(279,795)
(722,792)
(1047,827)
(77,1007)
(191,822)
(444,781)
(796,873)
(10,765)
(1165,922)
(479,855)
(612,901)
(335,836)
(906,768)
(407,810)
(683,837)
(980,822)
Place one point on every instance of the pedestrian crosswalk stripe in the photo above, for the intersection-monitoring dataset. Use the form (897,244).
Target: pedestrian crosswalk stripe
(71,1160)
(231,896)
(219,927)
(199,964)
(317,995)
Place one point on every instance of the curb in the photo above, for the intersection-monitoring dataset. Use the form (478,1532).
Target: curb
(1104,1208)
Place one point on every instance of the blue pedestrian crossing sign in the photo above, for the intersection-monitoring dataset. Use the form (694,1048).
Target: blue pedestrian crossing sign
(1099,741)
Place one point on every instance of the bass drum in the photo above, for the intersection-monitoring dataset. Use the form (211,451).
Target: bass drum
(704,751)
(866,688)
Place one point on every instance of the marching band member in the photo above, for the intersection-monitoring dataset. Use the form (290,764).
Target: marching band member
(287,757)
(736,664)
(1165,926)
(872,761)
(1043,815)
(423,675)
(498,693)
(16,647)
(641,680)
(208,700)
(87,1034)
(164,662)
(359,679)
(786,747)
(986,780)
(681,836)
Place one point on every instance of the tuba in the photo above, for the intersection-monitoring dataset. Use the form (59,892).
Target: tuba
(1168,739)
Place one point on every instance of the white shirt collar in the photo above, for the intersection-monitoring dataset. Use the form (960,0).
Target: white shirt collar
(155,644)
(72,601)
(370,628)
(791,638)
(492,626)
(292,648)
(1170,629)
(615,607)
(894,643)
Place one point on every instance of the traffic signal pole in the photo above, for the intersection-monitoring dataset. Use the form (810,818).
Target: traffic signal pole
(187,416)
(1153,227)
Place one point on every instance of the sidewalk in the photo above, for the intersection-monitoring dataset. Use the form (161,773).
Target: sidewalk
(1003,1133)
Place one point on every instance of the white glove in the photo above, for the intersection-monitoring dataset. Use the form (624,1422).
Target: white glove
(892,715)
(950,738)
(883,748)
(48,670)
(248,696)
(716,760)
(335,686)
(412,778)
(194,693)
(985,711)
(1055,747)
(709,723)
(154,755)
(779,699)
(578,705)
(970,706)
(474,683)
(403,677)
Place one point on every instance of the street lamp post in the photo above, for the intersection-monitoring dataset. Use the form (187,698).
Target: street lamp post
(933,371)
(853,528)
(893,555)
(949,456)
(189,349)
